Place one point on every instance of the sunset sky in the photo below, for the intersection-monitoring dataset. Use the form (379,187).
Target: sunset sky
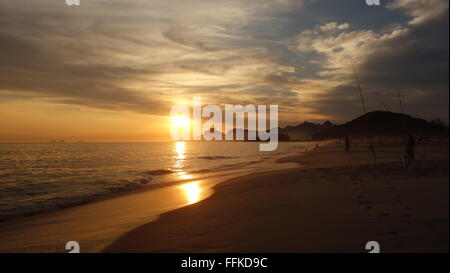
(110,70)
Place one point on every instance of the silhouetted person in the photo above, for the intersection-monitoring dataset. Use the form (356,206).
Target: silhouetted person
(410,147)
(347,144)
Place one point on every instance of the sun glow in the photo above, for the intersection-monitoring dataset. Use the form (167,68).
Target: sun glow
(180,122)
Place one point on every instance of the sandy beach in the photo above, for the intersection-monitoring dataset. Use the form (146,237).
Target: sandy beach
(95,225)
(259,126)
(335,201)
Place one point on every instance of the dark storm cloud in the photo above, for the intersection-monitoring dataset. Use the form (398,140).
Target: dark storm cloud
(415,60)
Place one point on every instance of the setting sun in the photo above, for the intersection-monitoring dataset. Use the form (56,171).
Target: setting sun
(190,128)
(180,121)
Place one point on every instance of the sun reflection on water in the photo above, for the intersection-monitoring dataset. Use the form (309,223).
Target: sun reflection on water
(184,175)
(192,192)
(180,156)
(180,150)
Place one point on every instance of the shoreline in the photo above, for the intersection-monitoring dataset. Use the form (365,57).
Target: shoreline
(111,220)
(348,201)
(145,181)
(112,216)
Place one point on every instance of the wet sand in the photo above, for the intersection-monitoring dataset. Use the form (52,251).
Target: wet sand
(96,225)
(333,202)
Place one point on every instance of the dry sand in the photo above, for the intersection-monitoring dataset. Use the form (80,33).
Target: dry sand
(333,202)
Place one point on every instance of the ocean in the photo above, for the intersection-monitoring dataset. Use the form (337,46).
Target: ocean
(41,177)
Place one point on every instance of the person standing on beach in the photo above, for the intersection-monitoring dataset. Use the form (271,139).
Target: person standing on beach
(410,147)
(347,144)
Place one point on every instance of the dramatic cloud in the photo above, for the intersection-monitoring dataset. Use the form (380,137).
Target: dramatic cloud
(412,58)
(422,11)
(137,57)
(144,56)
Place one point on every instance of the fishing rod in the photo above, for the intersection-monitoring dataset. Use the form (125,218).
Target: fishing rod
(400,100)
(372,147)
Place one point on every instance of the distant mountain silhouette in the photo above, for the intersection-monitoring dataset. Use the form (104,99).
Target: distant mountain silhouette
(281,136)
(383,124)
(372,124)
(232,134)
(305,131)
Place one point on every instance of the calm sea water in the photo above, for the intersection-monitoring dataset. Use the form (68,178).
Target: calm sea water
(41,177)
